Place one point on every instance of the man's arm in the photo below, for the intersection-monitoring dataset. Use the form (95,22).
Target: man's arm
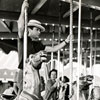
(57,47)
(21,20)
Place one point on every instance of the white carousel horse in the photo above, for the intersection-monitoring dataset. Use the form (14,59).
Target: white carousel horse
(31,80)
(85,82)
(95,93)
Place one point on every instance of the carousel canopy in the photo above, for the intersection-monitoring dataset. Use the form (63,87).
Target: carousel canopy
(49,12)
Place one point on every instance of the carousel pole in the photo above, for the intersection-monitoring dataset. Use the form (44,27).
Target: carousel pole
(85,58)
(95,47)
(91,40)
(63,62)
(63,68)
(59,36)
(94,80)
(71,47)
(79,52)
(25,41)
(52,60)
(91,47)
(85,62)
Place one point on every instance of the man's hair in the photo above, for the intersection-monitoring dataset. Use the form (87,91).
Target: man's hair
(53,70)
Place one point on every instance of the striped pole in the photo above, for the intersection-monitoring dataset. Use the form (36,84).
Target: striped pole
(91,41)
(71,47)
(59,36)
(94,80)
(52,59)
(95,47)
(25,42)
(79,52)
(91,47)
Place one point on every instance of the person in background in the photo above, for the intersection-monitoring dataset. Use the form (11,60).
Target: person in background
(34,45)
(9,93)
(50,89)
(64,88)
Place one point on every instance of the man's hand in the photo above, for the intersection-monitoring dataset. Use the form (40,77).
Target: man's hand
(37,58)
(68,38)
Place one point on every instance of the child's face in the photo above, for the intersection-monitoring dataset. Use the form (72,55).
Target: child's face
(53,75)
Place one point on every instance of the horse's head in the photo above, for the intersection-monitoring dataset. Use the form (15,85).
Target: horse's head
(37,59)
(85,82)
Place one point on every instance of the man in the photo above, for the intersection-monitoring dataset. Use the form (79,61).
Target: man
(34,46)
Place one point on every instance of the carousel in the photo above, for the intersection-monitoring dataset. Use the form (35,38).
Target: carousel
(78,59)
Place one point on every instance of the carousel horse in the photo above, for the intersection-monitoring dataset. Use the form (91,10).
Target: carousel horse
(8,94)
(95,93)
(84,84)
(31,81)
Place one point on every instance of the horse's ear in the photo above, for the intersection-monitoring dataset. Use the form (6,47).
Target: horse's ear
(74,82)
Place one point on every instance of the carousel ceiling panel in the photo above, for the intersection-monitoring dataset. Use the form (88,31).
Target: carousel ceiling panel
(48,11)
(90,2)
(15,5)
